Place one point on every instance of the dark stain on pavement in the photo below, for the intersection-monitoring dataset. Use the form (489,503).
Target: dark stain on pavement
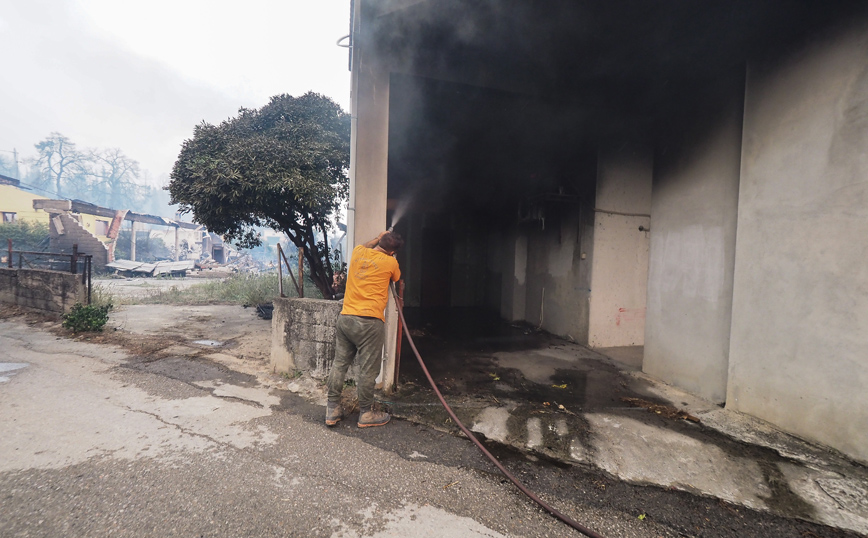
(192,370)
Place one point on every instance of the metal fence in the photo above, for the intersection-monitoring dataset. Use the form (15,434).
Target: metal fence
(77,263)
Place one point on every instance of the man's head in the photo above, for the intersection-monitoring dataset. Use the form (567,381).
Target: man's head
(391,242)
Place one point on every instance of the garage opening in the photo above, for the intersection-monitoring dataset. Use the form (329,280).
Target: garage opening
(482,182)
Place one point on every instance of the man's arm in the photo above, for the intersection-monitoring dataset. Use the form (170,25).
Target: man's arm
(375,241)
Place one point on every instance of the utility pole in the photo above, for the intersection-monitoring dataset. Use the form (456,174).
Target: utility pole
(17,171)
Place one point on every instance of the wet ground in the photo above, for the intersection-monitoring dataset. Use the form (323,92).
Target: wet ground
(564,403)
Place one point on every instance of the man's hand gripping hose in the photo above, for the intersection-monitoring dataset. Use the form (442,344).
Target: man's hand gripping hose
(572,523)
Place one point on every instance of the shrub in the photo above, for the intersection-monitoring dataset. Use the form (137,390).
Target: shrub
(83,318)
(25,235)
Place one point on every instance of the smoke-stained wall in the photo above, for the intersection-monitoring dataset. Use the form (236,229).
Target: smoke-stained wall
(469,264)
(799,343)
(557,280)
(694,207)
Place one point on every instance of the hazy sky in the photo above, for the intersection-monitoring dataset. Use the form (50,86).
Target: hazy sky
(140,75)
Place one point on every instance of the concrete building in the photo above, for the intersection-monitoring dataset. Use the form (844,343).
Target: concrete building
(16,202)
(686,177)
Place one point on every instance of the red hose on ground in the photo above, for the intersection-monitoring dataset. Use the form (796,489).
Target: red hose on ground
(572,523)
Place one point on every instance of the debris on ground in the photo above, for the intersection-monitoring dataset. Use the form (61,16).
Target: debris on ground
(663,410)
(564,409)
(265,310)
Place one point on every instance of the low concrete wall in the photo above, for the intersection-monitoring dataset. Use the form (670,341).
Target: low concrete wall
(51,291)
(303,335)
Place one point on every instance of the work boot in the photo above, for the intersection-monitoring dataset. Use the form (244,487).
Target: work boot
(334,413)
(373,418)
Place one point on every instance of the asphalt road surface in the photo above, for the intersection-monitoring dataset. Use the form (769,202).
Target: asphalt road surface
(97,442)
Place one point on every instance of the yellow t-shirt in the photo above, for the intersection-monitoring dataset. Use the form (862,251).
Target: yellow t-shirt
(368,282)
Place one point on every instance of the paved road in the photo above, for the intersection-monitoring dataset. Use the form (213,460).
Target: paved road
(95,442)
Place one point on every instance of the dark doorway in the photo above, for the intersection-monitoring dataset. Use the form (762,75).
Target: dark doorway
(436,284)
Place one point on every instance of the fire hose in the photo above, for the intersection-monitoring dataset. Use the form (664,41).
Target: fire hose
(569,521)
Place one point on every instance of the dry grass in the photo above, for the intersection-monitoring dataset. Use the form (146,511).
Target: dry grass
(240,289)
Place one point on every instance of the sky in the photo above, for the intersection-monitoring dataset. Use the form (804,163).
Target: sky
(140,75)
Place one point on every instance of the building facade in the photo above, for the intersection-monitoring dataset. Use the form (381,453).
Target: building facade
(689,178)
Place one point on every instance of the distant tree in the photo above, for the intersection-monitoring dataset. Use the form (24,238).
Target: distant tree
(60,164)
(283,166)
(115,178)
(7,167)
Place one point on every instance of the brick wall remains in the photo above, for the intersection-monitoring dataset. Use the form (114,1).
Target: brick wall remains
(303,336)
(71,232)
(50,291)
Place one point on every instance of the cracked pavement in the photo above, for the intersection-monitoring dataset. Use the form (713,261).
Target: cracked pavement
(97,441)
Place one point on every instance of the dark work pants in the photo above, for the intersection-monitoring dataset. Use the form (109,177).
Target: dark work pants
(362,339)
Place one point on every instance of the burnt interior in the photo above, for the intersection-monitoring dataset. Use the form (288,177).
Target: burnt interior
(498,105)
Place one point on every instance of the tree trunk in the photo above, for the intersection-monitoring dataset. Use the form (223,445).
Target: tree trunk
(302,238)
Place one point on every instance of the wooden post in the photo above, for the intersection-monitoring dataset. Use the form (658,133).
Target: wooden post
(280,269)
(301,273)
(9,260)
(89,260)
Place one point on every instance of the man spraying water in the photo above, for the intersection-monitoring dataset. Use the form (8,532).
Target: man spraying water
(360,330)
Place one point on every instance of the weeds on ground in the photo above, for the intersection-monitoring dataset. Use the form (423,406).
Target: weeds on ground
(102,296)
(241,289)
(86,318)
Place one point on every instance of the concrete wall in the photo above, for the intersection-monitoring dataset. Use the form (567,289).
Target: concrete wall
(799,341)
(303,335)
(469,265)
(694,208)
(558,277)
(369,135)
(369,154)
(497,257)
(619,269)
(514,280)
(50,291)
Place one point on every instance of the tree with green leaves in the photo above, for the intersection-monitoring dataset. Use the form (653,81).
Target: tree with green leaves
(283,166)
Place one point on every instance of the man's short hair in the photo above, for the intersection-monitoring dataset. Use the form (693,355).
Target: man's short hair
(391,242)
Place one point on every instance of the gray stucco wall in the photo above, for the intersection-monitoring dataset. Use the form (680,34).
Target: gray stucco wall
(619,269)
(694,208)
(799,343)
